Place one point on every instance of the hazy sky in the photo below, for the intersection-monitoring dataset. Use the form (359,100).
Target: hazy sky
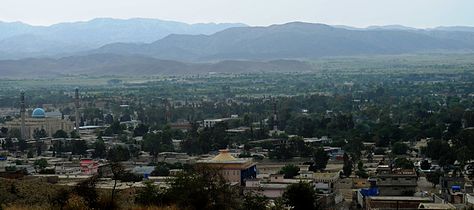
(417,13)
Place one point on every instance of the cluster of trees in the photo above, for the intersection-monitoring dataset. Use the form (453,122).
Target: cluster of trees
(461,149)
(163,168)
(205,188)
(207,139)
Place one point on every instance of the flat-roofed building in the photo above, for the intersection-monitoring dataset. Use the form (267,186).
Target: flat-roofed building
(325,182)
(437,206)
(396,182)
(395,202)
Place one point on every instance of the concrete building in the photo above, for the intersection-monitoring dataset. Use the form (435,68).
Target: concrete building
(270,190)
(396,182)
(234,170)
(3,163)
(325,182)
(395,202)
(89,166)
(209,123)
(437,206)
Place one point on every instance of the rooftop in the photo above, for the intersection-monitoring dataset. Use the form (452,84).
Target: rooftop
(434,206)
(326,176)
(400,198)
(225,157)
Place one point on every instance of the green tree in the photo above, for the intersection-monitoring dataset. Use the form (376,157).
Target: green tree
(320,158)
(151,195)
(433,177)
(436,148)
(88,191)
(118,153)
(156,143)
(300,196)
(203,188)
(79,147)
(347,167)
(403,163)
(425,165)
(254,201)
(99,149)
(463,155)
(14,133)
(140,130)
(60,134)
(281,152)
(22,145)
(75,135)
(161,170)
(289,171)
(114,128)
(399,148)
(361,173)
(41,163)
(39,133)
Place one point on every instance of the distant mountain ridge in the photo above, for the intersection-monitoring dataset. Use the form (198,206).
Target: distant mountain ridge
(110,64)
(296,40)
(79,36)
(68,49)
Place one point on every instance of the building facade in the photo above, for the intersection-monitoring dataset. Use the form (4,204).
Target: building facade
(234,170)
(38,121)
(396,182)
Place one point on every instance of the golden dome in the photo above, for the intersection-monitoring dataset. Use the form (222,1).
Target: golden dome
(223,156)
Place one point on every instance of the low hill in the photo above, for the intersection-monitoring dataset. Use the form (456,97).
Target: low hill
(110,64)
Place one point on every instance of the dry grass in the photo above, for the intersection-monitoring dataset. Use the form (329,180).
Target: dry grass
(155,208)
(37,194)
(19,207)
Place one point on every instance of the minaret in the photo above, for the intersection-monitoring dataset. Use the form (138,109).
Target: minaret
(167,111)
(22,115)
(275,119)
(77,105)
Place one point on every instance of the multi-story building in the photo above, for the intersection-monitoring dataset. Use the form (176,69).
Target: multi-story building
(325,182)
(396,182)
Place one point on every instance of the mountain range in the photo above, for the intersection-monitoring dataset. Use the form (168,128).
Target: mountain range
(147,46)
(296,41)
(19,40)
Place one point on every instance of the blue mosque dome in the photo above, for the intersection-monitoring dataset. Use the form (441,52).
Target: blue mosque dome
(38,113)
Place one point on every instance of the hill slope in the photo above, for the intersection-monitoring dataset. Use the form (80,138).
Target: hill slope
(296,40)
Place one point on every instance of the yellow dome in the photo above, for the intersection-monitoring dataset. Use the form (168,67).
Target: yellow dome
(223,156)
